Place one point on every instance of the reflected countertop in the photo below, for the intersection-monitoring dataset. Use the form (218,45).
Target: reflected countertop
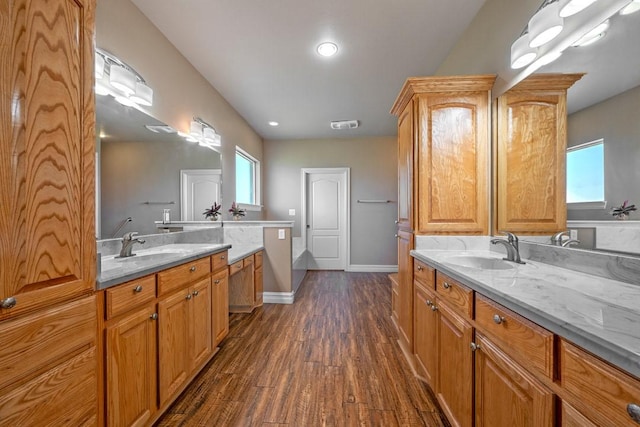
(601,315)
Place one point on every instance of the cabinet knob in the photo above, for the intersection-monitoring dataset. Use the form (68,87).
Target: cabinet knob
(498,320)
(188,296)
(216,281)
(433,307)
(154,316)
(474,346)
(397,236)
(633,410)
(222,257)
(446,285)
(196,293)
(8,302)
(193,268)
(396,221)
(420,268)
(137,289)
(429,302)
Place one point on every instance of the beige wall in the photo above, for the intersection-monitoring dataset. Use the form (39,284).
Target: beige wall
(373,163)
(180,91)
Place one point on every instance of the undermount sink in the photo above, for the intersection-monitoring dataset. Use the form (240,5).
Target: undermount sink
(156,256)
(479,262)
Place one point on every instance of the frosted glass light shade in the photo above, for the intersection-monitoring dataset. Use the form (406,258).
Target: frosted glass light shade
(196,129)
(571,7)
(632,7)
(127,102)
(594,35)
(521,53)
(545,25)
(99,66)
(143,95)
(122,79)
(209,134)
(548,58)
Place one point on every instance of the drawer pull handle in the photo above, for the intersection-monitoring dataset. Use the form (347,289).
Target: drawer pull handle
(196,293)
(216,281)
(222,257)
(8,302)
(154,316)
(188,296)
(634,412)
(475,346)
(433,307)
(137,289)
(192,269)
(420,268)
(498,320)
(446,285)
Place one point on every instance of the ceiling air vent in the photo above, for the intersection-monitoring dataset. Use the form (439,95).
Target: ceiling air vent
(344,124)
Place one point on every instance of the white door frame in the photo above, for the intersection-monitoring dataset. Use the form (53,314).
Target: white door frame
(184,173)
(305,172)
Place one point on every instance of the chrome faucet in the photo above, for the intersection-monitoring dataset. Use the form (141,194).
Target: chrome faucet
(511,244)
(127,244)
(556,239)
(570,242)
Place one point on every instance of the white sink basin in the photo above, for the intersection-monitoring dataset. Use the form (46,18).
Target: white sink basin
(479,262)
(156,256)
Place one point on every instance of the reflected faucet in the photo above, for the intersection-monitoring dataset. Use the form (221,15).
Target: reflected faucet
(570,242)
(556,239)
(511,244)
(127,244)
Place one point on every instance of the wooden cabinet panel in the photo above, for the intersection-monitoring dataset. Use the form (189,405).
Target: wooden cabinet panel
(571,417)
(258,286)
(127,296)
(405,291)
(47,149)
(523,340)
(201,324)
(458,296)
(173,342)
(425,328)
(454,388)
(394,298)
(258,258)
(220,282)
(242,289)
(236,267)
(219,260)
(424,274)
(177,277)
(603,389)
(246,262)
(131,363)
(506,395)
(405,168)
(531,155)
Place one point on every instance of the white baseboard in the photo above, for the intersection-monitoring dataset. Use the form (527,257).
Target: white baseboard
(278,297)
(372,268)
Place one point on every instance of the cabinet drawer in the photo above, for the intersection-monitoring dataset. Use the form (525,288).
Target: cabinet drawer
(424,274)
(455,293)
(219,260)
(219,276)
(177,277)
(604,389)
(526,342)
(123,298)
(247,261)
(235,267)
(258,259)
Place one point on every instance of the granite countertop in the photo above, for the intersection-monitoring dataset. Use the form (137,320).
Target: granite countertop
(114,271)
(601,315)
(238,252)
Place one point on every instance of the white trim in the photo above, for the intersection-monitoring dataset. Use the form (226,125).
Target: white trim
(361,268)
(579,206)
(278,297)
(249,207)
(303,223)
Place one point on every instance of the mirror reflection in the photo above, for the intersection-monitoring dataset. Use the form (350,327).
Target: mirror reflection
(605,104)
(139,170)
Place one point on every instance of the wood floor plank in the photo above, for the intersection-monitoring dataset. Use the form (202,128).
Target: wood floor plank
(329,359)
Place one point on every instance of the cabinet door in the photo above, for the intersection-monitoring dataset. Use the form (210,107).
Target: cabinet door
(571,417)
(173,342)
(405,291)
(425,333)
(47,148)
(220,306)
(455,367)
(405,168)
(452,163)
(132,369)
(506,395)
(258,288)
(201,324)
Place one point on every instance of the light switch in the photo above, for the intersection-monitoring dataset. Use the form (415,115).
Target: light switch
(292,212)
(281,234)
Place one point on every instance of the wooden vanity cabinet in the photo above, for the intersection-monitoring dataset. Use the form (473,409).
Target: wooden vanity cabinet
(220,291)
(426,333)
(258,276)
(245,284)
(531,155)
(405,293)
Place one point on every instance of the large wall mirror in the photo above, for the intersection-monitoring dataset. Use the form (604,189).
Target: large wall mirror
(605,104)
(139,169)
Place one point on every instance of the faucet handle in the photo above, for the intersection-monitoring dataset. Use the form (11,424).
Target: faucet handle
(129,235)
(512,238)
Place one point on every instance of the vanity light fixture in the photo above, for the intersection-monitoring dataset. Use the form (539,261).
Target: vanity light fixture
(546,24)
(116,78)
(571,7)
(327,49)
(202,133)
(632,7)
(521,53)
(594,35)
(548,58)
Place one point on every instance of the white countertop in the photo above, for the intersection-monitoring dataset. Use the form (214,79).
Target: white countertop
(598,314)
(238,252)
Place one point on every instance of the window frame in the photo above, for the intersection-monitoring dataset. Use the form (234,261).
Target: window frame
(256,206)
(596,204)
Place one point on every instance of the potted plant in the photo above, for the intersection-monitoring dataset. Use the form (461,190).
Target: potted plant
(622,211)
(236,211)
(213,212)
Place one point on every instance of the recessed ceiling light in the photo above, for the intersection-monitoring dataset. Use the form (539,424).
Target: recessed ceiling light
(273,123)
(327,49)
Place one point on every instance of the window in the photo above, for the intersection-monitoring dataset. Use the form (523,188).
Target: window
(585,175)
(247,180)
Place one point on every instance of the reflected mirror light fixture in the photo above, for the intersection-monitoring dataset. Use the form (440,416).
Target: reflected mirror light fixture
(632,7)
(594,35)
(545,25)
(521,53)
(327,49)
(571,7)
(548,58)
(114,77)
(202,133)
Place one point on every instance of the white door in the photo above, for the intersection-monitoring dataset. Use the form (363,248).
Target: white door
(199,189)
(326,220)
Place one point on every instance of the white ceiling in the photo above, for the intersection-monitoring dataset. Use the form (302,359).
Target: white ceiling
(260,55)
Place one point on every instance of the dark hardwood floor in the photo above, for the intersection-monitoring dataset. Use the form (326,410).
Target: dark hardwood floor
(329,359)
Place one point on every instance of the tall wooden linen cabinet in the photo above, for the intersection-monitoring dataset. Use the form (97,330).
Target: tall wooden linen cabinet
(48,315)
(443,163)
